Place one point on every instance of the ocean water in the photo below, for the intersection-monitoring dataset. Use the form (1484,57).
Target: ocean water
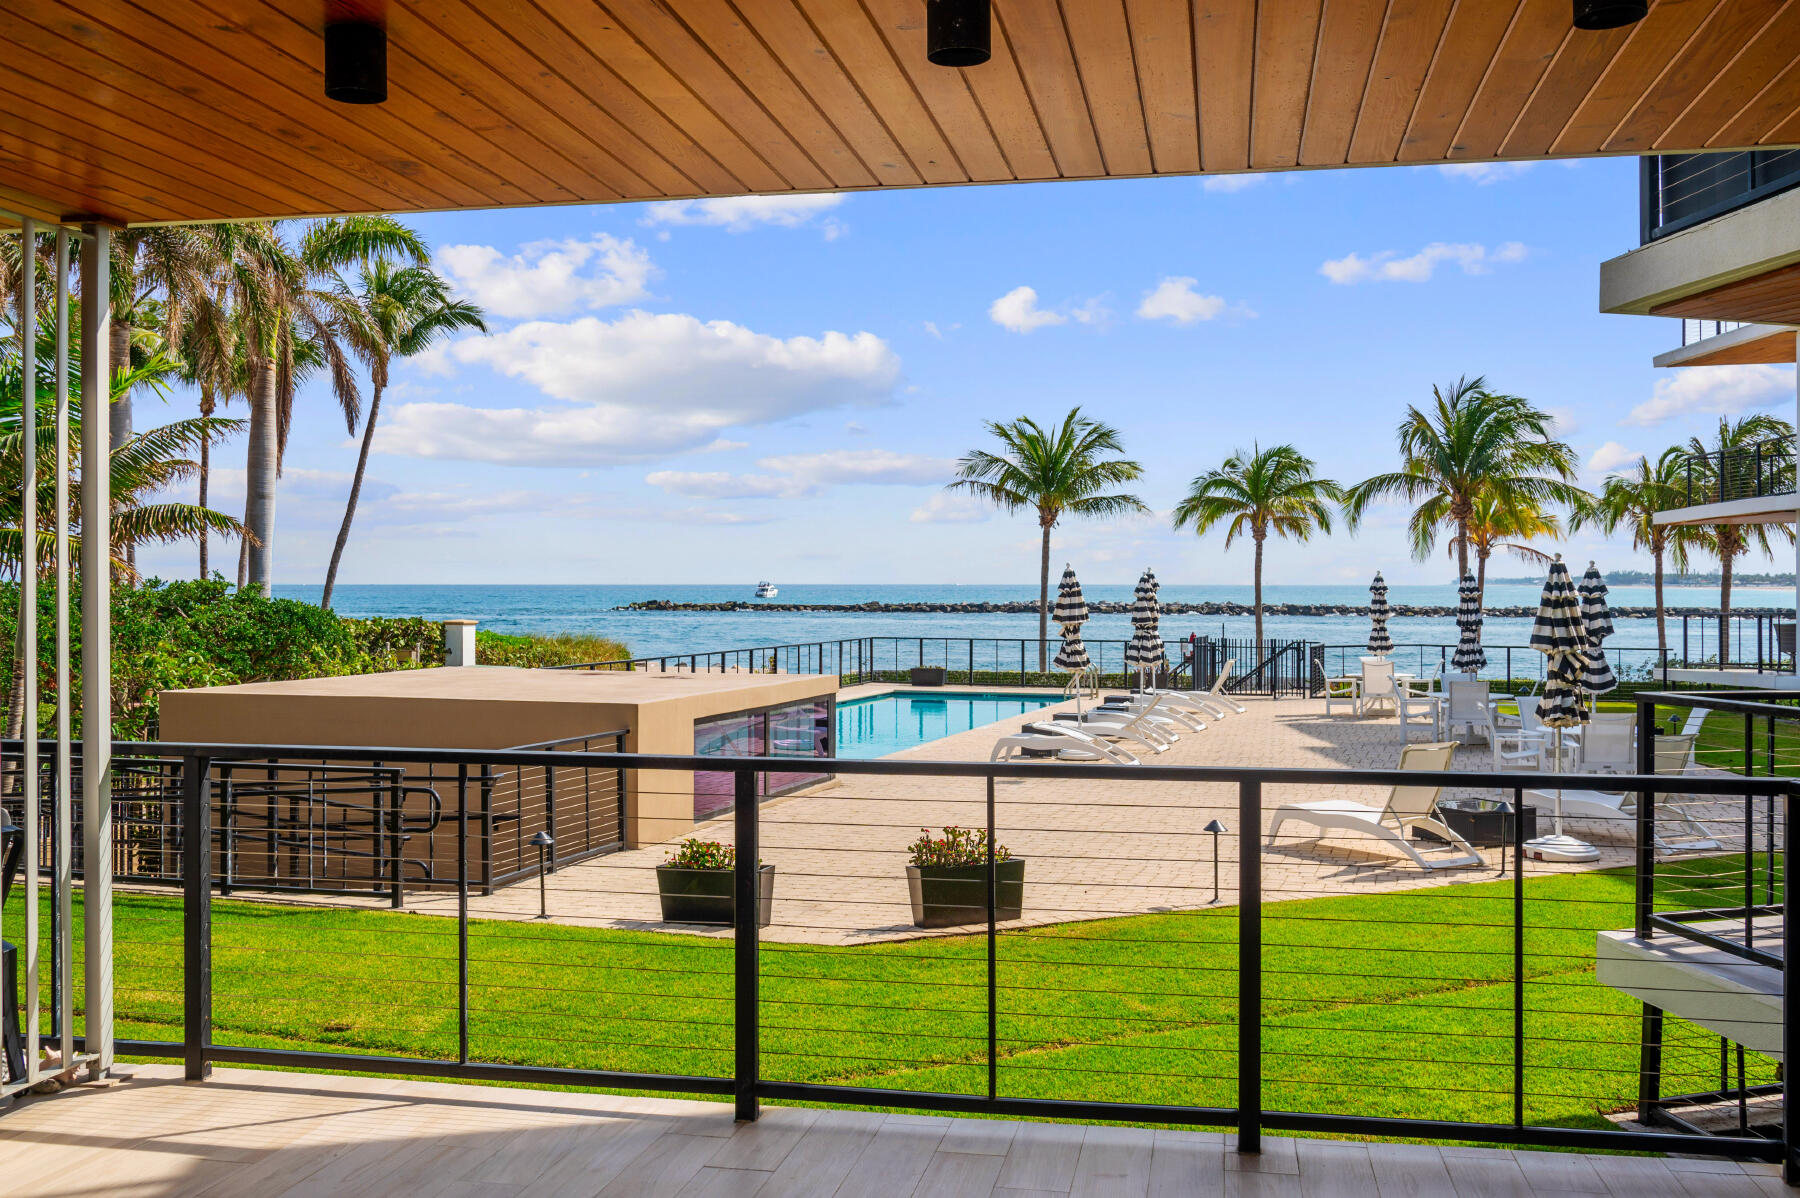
(593,609)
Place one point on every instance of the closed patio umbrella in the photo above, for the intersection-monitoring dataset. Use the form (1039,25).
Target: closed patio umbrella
(1145,649)
(1469,657)
(1071,611)
(1561,636)
(1380,643)
(1597,675)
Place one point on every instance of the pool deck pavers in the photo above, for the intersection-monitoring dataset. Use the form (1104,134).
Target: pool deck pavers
(1092,850)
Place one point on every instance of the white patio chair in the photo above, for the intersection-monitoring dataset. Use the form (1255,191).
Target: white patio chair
(1414,711)
(1378,687)
(1058,743)
(1608,746)
(1408,807)
(1524,742)
(1466,706)
(1425,685)
(1344,691)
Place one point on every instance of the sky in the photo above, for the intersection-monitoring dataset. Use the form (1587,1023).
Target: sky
(733,390)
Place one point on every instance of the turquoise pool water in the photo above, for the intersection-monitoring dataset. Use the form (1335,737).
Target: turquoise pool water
(884,724)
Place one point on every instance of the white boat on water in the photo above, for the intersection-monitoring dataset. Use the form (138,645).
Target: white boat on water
(767,590)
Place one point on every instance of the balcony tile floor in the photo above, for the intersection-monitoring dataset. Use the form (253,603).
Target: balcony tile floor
(261,1134)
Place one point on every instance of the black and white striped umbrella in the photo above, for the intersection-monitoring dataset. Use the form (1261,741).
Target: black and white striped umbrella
(1469,656)
(1597,675)
(1145,649)
(1561,636)
(1071,606)
(1380,643)
(1071,611)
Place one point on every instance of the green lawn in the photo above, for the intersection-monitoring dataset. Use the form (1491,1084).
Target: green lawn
(1396,1004)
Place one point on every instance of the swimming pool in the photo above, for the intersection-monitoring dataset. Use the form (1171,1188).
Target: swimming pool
(883,724)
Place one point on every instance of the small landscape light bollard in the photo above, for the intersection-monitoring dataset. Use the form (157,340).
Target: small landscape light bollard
(544,842)
(1215,827)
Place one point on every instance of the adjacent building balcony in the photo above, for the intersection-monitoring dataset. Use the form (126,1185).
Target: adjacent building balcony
(1752,484)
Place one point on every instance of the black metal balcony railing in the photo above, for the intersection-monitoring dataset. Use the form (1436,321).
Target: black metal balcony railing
(1678,191)
(1442,1012)
(1747,472)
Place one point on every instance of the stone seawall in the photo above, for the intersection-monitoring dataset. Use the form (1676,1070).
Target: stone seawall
(1109,608)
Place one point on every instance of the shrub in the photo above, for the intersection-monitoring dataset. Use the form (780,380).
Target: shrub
(702,854)
(538,652)
(957,846)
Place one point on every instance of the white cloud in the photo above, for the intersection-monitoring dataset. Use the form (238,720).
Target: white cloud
(951,507)
(1611,456)
(882,466)
(1231,183)
(1017,311)
(1175,299)
(1716,390)
(1563,421)
(1388,267)
(1484,173)
(720,484)
(793,476)
(639,386)
(740,214)
(547,278)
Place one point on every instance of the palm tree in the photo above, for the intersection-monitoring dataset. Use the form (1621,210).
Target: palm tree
(1717,463)
(285,311)
(1471,441)
(1631,500)
(1495,526)
(213,362)
(1053,471)
(144,465)
(1259,492)
(406,308)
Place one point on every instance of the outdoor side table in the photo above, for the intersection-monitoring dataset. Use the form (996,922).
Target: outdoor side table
(1484,823)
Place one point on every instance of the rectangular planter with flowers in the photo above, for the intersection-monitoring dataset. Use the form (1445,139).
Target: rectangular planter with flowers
(947,879)
(695,885)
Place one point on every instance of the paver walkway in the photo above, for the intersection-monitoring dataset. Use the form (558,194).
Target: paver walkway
(252,1134)
(1091,849)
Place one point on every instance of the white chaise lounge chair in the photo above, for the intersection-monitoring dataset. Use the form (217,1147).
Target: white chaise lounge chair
(1676,830)
(1212,701)
(1169,713)
(1408,807)
(1060,743)
(1140,728)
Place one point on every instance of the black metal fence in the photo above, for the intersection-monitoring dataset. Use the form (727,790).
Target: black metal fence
(374,828)
(1276,667)
(1346,992)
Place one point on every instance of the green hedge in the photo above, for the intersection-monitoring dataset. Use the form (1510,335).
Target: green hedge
(177,635)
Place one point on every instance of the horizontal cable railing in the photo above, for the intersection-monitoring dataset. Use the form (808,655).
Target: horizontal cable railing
(1678,191)
(1124,943)
(1746,472)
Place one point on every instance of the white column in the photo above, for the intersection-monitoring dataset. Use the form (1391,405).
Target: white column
(28,576)
(62,849)
(459,642)
(96,643)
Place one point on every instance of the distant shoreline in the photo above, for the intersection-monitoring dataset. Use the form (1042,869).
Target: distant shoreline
(1113,608)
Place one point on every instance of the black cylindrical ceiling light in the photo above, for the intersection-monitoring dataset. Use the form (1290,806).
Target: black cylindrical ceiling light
(355,62)
(1609,14)
(957,32)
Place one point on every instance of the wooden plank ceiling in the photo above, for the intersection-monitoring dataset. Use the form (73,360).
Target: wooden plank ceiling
(185,110)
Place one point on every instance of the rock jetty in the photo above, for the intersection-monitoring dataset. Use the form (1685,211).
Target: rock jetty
(1110,608)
